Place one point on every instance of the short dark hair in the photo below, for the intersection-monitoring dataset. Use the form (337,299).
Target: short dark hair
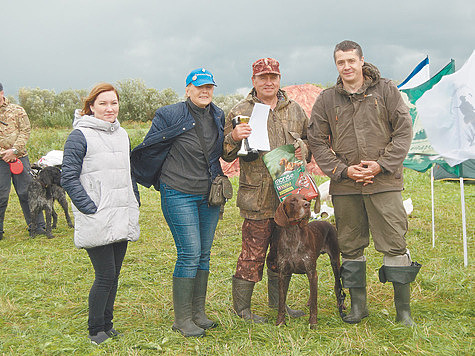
(1,87)
(346,46)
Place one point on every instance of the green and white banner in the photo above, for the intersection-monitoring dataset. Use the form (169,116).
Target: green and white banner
(421,150)
(447,112)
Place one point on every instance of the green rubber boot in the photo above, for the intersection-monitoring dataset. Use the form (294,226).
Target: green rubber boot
(199,298)
(402,301)
(242,293)
(353,275)
(182,304)
(401,278)
(273,294)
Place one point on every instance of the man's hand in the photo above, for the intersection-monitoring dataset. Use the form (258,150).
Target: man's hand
(241,132)
(8,155)
(298,154)
(364,172)
(373,166)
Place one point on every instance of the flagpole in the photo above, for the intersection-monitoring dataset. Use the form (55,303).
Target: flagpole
(464,227)
(432,197)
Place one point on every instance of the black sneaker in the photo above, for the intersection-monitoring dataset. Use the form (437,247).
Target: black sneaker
(113,333)
(99,338)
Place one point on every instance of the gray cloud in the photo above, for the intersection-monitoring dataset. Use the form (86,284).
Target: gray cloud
(61,44)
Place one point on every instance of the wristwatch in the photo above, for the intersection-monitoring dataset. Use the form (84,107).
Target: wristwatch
(15,151)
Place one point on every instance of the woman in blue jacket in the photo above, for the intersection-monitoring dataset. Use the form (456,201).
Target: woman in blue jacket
(180,157)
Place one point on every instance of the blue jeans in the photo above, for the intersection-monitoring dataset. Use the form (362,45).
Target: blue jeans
(192,223)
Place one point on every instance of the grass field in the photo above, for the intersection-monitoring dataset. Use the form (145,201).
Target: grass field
(44,286)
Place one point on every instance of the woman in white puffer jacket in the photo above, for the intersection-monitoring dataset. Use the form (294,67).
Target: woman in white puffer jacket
(96,176)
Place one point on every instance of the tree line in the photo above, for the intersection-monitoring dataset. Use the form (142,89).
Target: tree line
(45,108)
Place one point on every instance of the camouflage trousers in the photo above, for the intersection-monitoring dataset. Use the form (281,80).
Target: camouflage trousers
(257,235)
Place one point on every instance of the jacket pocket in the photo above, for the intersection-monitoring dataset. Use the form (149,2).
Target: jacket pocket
(249,197)
(93,189)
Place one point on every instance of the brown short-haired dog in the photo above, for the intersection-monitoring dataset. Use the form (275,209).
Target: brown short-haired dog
(299,245)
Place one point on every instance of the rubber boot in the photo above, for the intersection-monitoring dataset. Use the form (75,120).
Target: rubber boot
(273,294)
(402,301)
(182,305)
(401,278)
(353,275)
(242,293)
(199,298)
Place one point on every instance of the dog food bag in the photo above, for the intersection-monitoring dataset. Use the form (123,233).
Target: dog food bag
(289,174)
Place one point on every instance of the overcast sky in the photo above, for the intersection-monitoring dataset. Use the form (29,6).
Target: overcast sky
(73,44)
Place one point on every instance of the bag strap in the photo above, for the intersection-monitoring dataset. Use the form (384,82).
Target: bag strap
(199,132)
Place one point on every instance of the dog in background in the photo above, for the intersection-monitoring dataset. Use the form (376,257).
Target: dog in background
(299,245)
(42,191)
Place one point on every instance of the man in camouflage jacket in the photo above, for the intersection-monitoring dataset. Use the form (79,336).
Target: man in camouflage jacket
(256,196)
(359,133)
(14,134)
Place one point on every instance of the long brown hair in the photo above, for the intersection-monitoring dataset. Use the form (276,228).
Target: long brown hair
(91,98)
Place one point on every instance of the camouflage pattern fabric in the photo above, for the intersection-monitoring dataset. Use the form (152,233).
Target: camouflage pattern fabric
(288,122)
(256,237)
(265,66)
(14,127)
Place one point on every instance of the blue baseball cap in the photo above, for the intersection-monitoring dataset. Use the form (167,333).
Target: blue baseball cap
(199,77)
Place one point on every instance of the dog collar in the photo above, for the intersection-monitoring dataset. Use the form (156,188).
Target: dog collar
(295,222)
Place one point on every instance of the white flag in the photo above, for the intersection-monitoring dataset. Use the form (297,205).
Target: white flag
(418,76)
(447,113)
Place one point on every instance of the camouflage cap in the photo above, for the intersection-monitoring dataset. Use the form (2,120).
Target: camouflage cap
(265,65)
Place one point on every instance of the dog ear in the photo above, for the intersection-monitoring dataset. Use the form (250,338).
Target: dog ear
(56,177)
(280,216)
(316,207)
(44,178)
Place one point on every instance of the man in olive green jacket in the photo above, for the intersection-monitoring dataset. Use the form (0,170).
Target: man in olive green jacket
(256,198)
(359,133)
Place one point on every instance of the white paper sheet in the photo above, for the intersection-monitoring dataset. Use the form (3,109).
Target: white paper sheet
(259,138)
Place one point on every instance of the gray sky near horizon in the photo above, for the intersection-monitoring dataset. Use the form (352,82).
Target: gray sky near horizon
(61,44)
